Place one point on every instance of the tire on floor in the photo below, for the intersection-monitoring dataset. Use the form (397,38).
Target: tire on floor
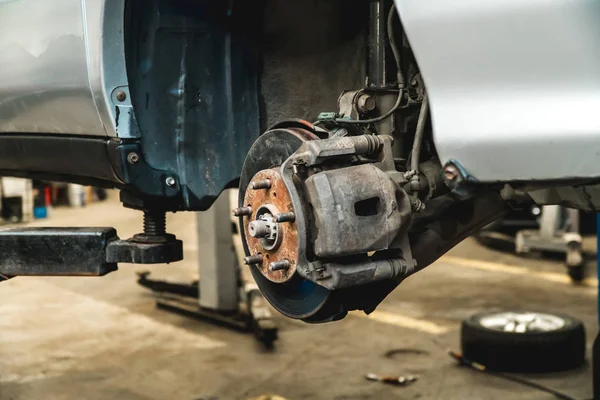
(518,341)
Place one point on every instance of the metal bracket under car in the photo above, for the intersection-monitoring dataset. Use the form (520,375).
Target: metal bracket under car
(251,315)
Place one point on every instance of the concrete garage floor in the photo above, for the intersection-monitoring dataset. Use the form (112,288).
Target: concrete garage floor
(102,338)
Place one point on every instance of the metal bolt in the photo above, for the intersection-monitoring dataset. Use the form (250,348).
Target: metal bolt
(415,183)
(366,103)
(121,96)
(417,205)
(451,173)
(262,184)
(259,229)
(133,158)
(285,217)
(279,265)
(255,259)
(155,223)
(299,169)
(414,82)
(170,181)
(242,211)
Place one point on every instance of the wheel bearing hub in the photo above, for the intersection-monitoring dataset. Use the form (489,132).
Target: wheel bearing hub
(277,242)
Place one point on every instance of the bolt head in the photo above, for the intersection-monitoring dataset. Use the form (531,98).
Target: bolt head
(366,103)
(170,181)
(451,173)
(121,96)
(133,158)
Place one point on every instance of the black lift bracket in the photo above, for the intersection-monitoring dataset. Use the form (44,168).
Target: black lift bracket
(78,251)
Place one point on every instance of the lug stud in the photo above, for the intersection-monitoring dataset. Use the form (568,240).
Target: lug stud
(285,217)
(261,184)
(255,259)
(242,211)
(279,265)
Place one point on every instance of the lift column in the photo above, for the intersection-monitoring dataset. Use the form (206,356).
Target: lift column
(219,281)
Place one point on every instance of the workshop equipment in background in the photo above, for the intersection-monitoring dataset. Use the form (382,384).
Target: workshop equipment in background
(558,233)
(25,199)
(524,341)
(77,195)
(42,199)
(17,199)
(251,314)
(462,360)
(221,295)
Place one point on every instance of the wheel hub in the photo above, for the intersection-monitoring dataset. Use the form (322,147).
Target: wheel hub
(285,290)
(271,227)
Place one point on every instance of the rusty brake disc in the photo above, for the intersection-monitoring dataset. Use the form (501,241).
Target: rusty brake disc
(280,284)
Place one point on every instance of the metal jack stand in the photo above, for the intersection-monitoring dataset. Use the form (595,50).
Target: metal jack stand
(221,295)
(556,236)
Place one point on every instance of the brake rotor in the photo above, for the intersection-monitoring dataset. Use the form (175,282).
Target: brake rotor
(279,244)
(285,290)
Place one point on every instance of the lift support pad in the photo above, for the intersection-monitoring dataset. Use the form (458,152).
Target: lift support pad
(56,251)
